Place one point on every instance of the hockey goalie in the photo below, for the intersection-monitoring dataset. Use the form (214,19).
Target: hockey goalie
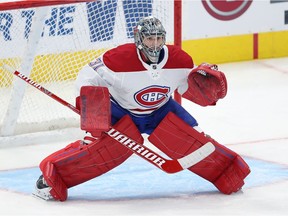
(130,88)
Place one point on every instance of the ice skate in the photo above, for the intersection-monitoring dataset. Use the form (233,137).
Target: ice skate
(42,190)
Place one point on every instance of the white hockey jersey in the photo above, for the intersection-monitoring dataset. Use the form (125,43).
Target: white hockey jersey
(135,85)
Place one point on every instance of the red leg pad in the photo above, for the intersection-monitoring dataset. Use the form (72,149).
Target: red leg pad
(79,163)
(59,188)
(224,168)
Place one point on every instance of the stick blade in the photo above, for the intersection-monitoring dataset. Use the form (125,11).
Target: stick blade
(196,156)
(174,166)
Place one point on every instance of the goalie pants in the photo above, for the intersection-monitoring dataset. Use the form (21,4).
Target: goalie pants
(146,123)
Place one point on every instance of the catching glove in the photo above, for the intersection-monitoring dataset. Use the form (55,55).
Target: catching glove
(206,85)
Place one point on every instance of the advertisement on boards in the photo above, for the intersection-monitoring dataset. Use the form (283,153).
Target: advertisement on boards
(213,18)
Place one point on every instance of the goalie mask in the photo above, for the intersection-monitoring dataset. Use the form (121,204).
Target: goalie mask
(150,37)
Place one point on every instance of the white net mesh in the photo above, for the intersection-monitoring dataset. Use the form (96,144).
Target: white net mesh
(50,44)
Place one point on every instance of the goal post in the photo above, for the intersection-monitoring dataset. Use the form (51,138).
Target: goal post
(178,34)
(50,41)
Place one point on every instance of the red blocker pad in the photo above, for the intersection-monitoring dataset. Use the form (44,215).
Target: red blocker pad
(224,168)
(77,163)
(95,109)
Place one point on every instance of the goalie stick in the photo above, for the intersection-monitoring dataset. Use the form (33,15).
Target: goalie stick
(166,165)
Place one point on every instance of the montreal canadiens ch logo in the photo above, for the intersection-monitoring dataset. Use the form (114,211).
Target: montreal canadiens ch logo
(226,10)
(151,96)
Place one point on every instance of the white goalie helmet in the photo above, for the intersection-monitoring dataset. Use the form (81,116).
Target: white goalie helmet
(150,37)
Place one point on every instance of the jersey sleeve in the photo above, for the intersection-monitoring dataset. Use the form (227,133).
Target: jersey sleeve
(87,76)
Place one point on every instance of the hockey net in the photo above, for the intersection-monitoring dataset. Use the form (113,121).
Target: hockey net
(49,41)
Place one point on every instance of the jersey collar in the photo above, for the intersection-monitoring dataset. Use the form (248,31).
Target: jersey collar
(160,65)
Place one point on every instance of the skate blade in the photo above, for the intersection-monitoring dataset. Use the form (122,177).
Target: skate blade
(42,196)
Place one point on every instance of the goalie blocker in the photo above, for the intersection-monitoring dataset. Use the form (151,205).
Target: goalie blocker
(95,109)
